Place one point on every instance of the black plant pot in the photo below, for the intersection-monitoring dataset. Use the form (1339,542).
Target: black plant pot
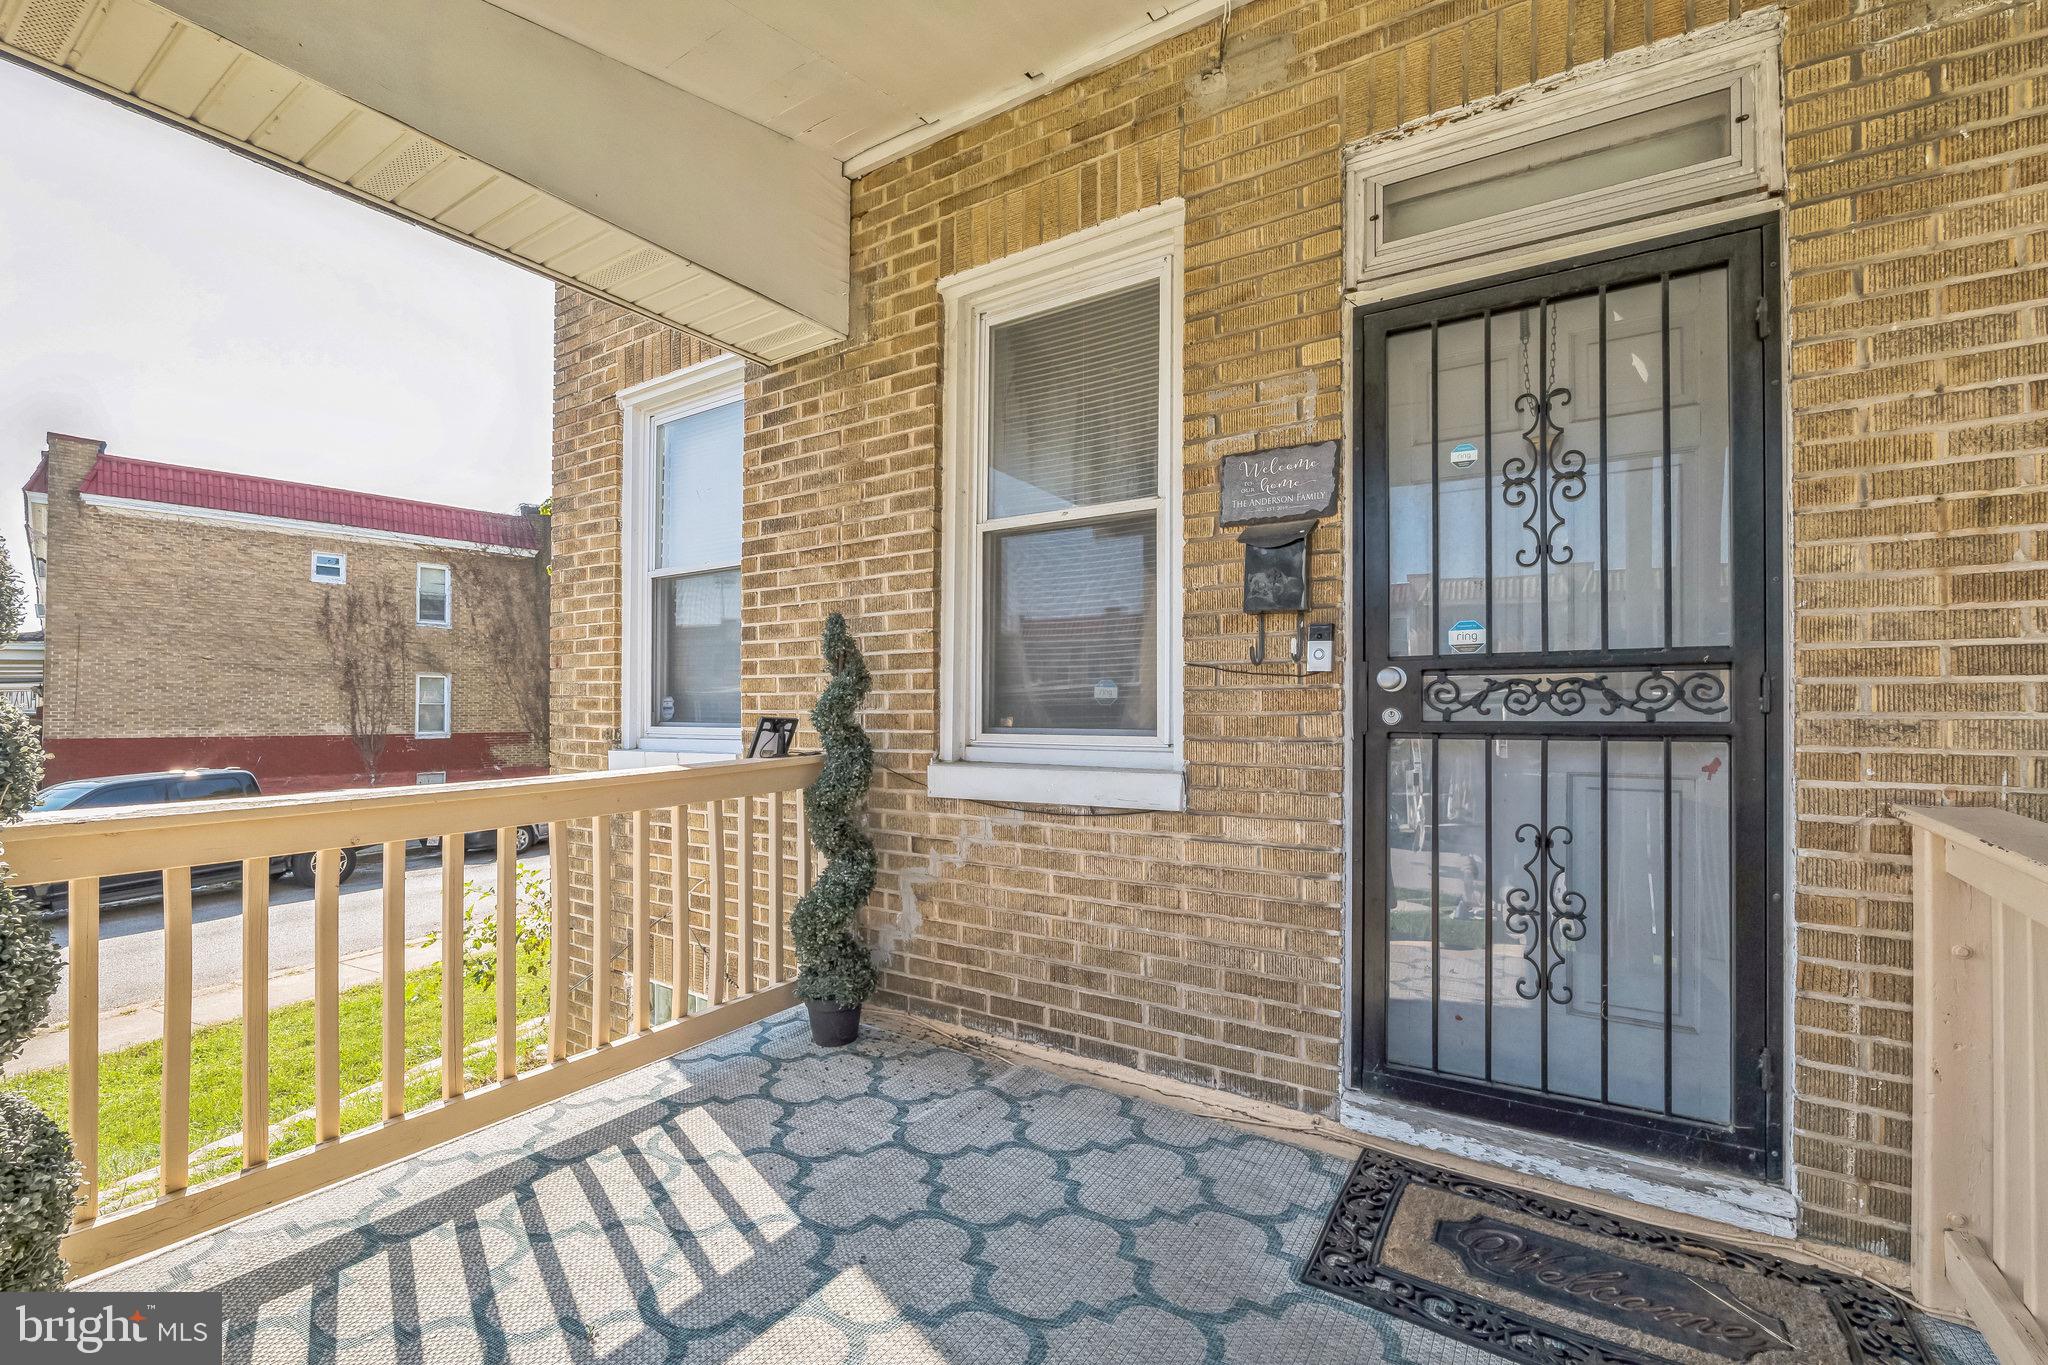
(833,1025)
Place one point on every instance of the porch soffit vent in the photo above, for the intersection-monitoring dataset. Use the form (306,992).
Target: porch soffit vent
(404,169)
(45,27)
(145,56)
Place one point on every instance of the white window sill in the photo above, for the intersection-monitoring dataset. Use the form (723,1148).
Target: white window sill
(1039,784)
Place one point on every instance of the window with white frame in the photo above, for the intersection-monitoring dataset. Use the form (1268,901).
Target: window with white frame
(329,567)
(1658,139)
(1062,628)
(681,559)
(430,710)
(433,596)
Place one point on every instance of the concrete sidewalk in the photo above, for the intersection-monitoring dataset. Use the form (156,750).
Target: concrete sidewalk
(145,1023)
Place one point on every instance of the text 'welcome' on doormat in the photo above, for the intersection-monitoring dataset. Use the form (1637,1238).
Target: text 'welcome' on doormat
(1534,1279)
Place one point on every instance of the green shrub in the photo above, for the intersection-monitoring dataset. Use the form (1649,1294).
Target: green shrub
(38,1186)
(29,963)
(533,927)
(833,965)
(38,1177)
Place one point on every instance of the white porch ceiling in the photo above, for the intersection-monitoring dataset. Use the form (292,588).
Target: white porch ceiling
(686,158)
(520,142)
(865,80)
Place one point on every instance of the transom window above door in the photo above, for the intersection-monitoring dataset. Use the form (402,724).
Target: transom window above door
(1061,630)
(1676,135)
(680,554)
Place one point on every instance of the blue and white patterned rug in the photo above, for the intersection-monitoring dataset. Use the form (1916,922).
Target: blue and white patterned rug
(762,1202)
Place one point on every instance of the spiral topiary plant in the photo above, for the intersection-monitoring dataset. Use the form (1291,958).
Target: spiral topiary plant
(38,1176)
(834,968)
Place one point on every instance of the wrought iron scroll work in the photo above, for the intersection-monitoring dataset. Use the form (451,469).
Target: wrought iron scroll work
(1543,478)
(1547,910)
(1568,695)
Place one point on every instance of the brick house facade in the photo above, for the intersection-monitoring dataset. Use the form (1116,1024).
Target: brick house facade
(185,627)
(1210,944)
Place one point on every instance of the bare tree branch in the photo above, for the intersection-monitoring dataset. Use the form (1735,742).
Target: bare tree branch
(369,641)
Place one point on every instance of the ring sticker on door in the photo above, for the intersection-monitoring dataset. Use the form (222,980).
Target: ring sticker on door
(1467,637)
(1464,455)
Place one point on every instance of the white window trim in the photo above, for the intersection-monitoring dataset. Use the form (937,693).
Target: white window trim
(337,556)
(1110,771)
(447,595)
(1740,56)
(447,706)
(642,408)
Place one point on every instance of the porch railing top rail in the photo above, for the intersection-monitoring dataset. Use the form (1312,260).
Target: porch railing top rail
(2009,842)
(61,845)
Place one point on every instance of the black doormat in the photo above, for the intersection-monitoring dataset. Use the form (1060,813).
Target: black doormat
(1535,1279)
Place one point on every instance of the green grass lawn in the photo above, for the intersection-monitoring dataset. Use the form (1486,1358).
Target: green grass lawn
(131,1079)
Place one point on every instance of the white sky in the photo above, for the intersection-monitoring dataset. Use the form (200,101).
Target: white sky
(185,304)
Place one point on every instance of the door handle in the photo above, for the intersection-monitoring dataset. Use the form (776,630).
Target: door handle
(1392,678)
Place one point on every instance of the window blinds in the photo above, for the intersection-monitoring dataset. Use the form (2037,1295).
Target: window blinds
(1074,405)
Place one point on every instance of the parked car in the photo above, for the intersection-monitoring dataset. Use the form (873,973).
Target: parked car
(524,837)
(149,789)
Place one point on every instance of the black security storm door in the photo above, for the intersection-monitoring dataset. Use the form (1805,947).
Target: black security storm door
(1566,908)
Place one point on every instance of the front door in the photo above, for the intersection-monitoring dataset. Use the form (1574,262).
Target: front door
(1570,577)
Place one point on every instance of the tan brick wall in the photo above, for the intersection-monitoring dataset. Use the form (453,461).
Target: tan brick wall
(170,629)
(1207,945)
(1918,280)
(599,350)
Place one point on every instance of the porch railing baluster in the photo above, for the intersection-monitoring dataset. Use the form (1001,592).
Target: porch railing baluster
(85,1042)
(643,929)
(508,953)
(451,964)
(175,1113)
(327,995)
(558,941)
(600,930)
(775,863)
(255,1012)
(746,896)
(714,959)
(803,846)
(679,911)
(392,999)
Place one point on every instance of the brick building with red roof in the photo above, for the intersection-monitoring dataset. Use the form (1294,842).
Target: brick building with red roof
(319,637)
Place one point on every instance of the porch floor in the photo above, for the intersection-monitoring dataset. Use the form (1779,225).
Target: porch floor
(760,1200)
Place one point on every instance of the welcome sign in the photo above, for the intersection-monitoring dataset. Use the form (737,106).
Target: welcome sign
(1293,483)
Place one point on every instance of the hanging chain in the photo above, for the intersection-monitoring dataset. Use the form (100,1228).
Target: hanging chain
(1523,352)
(1550,371)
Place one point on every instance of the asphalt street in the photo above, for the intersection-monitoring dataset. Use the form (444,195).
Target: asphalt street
(132,939)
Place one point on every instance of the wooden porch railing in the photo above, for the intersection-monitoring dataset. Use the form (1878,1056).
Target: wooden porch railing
(768,861)
(1980,1072)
